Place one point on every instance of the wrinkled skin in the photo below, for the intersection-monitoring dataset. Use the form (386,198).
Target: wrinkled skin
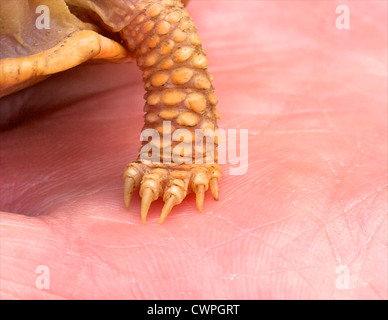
(310,213)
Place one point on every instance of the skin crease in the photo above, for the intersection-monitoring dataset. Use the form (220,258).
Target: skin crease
(314,198)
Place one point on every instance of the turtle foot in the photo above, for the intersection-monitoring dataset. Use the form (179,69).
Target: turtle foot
(170,182)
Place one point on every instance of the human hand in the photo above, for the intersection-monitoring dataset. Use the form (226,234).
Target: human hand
(307,221)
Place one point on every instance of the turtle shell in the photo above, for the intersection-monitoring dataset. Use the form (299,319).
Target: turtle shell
(41,37)
(36,43)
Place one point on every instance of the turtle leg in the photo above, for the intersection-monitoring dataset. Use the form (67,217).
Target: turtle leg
(180,106)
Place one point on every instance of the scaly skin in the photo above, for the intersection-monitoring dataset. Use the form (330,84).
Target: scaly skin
(179,90)
(162,38)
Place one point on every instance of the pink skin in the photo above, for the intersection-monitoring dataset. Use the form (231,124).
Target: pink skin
(314,198)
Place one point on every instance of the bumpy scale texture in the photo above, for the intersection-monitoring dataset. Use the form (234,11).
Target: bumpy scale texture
(179,90)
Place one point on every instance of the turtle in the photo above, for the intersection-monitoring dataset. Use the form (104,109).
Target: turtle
(39,38)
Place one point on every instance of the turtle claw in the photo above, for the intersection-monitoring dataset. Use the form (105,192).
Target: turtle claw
(170,182)
(200,197)
(146,200)
(214,188)
(168,205)
(128,189)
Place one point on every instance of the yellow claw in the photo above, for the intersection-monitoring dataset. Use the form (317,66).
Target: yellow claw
(172,184)
(200,197)
(128,189)
(214,188)
(146,200)
(168,205)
